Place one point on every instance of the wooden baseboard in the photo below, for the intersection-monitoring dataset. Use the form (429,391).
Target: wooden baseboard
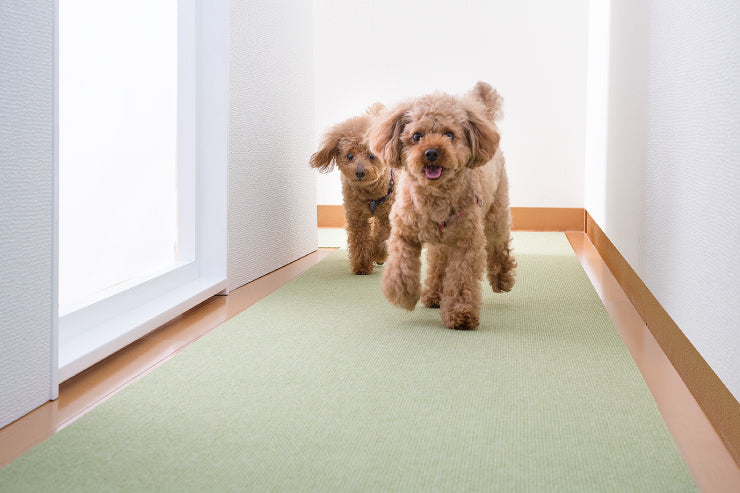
(330,216)
(717,402)
(523,218)
(547,219)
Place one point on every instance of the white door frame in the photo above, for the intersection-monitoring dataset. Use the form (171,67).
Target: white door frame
(90,334)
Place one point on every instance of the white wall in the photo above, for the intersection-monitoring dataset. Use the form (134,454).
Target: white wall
(533,52)
(670,200)
(27,356)
(619,36)
(272,199)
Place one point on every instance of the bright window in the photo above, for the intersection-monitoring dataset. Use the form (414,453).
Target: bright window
(135,172)
(117,145)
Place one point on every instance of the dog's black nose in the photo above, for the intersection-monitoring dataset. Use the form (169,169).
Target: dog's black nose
(360,173)
(431,155)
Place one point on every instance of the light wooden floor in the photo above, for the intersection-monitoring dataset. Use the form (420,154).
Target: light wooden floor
(706,456)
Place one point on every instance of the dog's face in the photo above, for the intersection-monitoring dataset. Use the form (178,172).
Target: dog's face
(436,137)
(357,162)
(345,145)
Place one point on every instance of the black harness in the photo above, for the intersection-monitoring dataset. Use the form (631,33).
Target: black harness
(374,204)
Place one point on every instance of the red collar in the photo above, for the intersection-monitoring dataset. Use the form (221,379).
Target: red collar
(443,224)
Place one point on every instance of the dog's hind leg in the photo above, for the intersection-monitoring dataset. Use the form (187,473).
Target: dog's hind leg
(500,261)
(433,285)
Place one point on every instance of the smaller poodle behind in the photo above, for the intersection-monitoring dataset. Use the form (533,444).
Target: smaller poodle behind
(367,188)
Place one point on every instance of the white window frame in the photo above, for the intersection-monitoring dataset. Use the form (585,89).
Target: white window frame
(91,333)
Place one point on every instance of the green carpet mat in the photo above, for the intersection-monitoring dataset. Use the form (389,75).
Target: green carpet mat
(324,386)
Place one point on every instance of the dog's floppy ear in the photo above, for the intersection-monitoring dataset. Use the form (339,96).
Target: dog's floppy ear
(384,136)
(325,158)
(482,135)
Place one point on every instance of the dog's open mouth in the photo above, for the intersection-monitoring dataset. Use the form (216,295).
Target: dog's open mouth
(433,171)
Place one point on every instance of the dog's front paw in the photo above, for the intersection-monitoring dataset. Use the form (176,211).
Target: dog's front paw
(400,294)
(503,283)
(431,298)
(460,317)
(502,279)
(362,267)
(501,273)
(363,271)
(381,257)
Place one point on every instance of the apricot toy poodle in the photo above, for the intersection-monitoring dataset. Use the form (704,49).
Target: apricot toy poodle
(454,200)
(368,188)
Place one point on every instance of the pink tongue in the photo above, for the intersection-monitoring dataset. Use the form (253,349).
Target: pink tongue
(433,172)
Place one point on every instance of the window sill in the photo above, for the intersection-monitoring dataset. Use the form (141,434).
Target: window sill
(86,348)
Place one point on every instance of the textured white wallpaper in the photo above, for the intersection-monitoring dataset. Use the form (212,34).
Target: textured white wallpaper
(26,207)
(272,193)
(666,192)
(693,176)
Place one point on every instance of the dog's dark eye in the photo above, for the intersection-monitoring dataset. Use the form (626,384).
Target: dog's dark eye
(350,156)
(416,137)
(450,135)
(371,156)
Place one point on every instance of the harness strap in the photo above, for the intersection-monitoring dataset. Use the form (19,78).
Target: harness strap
(443,224)
(374,204)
